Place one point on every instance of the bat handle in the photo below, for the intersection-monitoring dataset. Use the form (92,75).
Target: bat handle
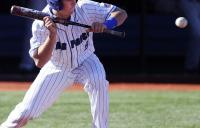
(115,33)
(108,31)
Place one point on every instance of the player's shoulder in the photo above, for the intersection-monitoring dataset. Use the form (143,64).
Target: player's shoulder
(85,3)
(93,4)
(37,24)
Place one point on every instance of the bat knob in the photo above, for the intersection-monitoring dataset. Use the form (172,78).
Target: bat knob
(123,35)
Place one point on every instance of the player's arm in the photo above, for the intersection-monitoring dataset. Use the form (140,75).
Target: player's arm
(116,18)
(43,53)
(119,15)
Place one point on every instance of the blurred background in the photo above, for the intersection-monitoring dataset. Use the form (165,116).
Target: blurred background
(154,49)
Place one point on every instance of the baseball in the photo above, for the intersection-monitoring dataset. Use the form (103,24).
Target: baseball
(181,22)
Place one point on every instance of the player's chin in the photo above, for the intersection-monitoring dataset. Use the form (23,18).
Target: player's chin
(69,11)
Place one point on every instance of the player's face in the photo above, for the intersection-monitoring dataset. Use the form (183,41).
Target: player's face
(68,5)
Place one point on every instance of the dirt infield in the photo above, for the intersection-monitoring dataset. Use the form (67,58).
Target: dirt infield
(22,86)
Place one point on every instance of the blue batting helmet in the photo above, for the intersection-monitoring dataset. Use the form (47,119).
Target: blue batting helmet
(55,4)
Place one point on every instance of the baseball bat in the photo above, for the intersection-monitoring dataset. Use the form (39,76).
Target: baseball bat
(39,15)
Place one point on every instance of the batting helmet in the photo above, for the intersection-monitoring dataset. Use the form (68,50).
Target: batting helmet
(55,4)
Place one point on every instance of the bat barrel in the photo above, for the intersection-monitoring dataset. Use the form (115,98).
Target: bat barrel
(27,13)
(13,10)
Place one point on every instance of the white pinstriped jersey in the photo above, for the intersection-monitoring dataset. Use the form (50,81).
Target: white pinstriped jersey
(73,45)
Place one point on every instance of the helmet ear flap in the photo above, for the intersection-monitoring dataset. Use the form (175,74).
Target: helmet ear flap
(55,4)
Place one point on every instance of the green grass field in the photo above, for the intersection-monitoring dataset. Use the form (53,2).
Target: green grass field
(128,109)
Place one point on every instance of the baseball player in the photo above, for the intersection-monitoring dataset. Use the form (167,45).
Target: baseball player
(66,56)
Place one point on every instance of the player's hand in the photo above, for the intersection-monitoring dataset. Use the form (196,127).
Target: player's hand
(50,25)
(97,28)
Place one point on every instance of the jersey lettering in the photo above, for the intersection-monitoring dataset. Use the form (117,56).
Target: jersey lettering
(78,41)
(61,46)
